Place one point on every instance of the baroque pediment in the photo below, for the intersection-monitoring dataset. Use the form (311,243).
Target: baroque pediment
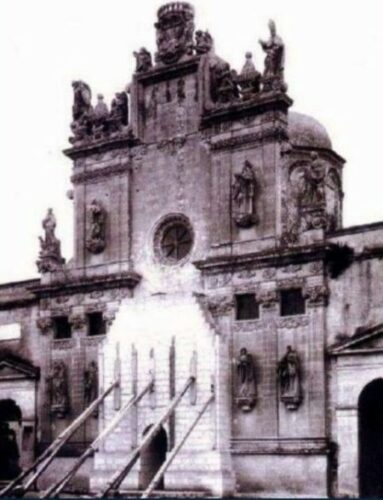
(12,367)
(365,340)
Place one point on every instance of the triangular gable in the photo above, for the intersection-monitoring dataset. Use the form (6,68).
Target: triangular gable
(12,367)
(365,339)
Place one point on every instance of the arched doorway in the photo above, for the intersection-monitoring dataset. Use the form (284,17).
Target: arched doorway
(10,427)
(152,456)
(371,440)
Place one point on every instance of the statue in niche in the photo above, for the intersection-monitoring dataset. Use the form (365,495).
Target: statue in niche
(97,233)
(244,193)
(82,111)
(289,377)
(181,89)
(249,79)
(58,389)
(246,389)
(174,32)
(203,42)
(143,60)
(50,258)
(119,113)
(91,384)
(273,75)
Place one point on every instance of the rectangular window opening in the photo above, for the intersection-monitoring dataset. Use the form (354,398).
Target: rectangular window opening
(292,302)
(62,328)
(96,324)
(247,306)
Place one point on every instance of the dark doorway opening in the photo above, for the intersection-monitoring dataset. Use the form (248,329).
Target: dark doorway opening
(10,422)
(371,440)
(152,456)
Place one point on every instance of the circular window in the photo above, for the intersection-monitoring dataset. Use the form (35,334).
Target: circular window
(173,239)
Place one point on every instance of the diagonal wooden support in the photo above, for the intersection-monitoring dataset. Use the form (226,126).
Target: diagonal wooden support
(54,490)
(50,453)
(120,475)
(157,478)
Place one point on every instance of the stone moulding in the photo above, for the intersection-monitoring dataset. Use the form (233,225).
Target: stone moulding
(80,285)
(318,446)
(99,174)
(255,138)
(87,148)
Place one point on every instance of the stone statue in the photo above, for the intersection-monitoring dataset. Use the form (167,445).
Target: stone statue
(143,60)
(249,79)
(91,384)
(119,115)
(82,111)
(58,389)
(100,115)
(50,258)
(273,75)
(313,187)
(223,87)
(97,232)
(174,32)
(246,389)
(244,197)
(203,42)
(289,377)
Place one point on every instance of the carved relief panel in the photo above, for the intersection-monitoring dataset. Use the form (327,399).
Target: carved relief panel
(312,198)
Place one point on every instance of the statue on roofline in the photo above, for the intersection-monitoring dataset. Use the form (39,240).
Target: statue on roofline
(50,258)
(273,75)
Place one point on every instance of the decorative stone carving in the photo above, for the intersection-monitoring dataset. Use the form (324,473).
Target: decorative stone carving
(109,317)
(268,299)
(249,79)
(316,295)
(96,241)
(119,113)
(174,32)
(82,110)
(220,305)
(50,258)
(269,274)
(143,60)
(289,378)
(273,75)
(100,115)
(58,389)
(77,321)
(293,322)
(91,385)
(244,194)
(44,324)
(203,42)
(245,388)
(223,87)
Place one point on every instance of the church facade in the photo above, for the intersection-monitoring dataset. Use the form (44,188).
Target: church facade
(211,263)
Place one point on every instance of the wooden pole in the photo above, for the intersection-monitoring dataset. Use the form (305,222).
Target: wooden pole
(120,475)
(49,454)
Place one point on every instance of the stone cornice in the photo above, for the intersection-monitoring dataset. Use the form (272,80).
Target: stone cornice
(239,110)
(88,147)
(87,284)
(264,135)
(161,73)
(101,173)
(275,257)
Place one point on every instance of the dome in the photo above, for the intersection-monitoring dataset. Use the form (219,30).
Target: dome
(305,131)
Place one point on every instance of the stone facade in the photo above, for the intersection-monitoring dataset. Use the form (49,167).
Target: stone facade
(208,239)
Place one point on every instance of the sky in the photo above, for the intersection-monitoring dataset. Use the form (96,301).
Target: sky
(333,70)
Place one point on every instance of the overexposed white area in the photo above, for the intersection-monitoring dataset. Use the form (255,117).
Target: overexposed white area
(333,69)
(10,332)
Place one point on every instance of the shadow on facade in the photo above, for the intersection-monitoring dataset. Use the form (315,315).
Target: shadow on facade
(10,430)
(152,456)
